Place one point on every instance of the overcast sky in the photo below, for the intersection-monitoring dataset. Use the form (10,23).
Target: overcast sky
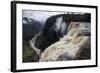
(42,15)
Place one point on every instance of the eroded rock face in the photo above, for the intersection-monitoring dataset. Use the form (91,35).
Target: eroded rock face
(73,46)
(69,47)
(59,29)
(56,27)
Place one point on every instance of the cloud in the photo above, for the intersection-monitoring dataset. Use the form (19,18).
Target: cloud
(40,15)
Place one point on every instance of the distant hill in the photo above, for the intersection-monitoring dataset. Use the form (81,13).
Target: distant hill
(30,28)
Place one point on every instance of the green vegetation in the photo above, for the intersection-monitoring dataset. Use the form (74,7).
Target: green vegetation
(29,54)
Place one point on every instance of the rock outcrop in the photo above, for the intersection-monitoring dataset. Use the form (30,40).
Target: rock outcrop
(71,45)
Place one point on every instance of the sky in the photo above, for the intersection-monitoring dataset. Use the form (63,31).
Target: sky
(41,15)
